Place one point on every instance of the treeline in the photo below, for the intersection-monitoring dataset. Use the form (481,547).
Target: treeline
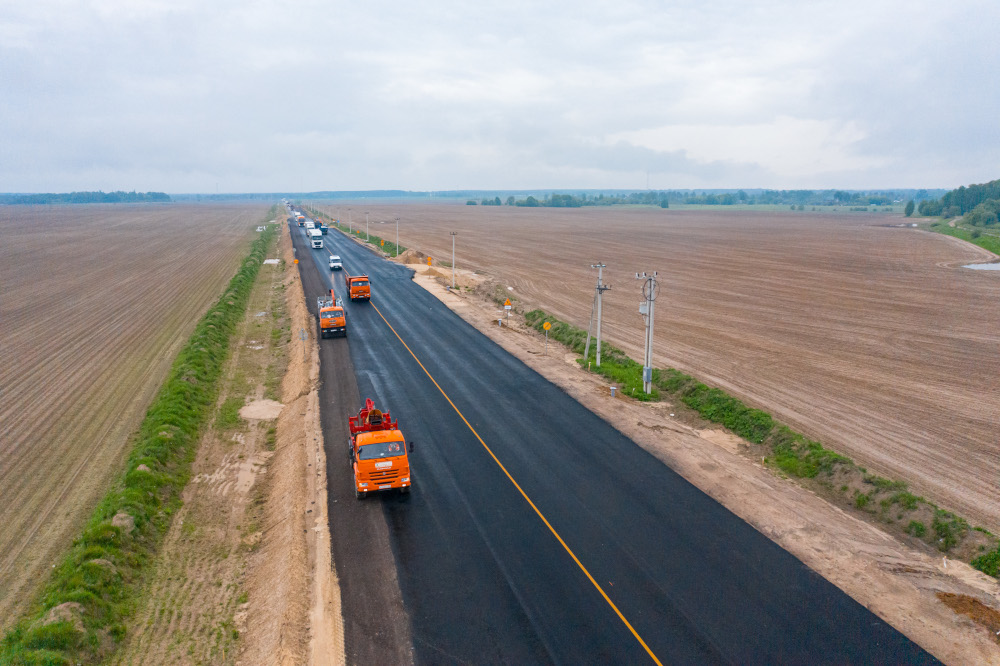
(664,198)
(979,203)
(85,198)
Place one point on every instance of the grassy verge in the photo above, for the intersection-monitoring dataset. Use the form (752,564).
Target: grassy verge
(794,454)
(96,585)
(388,247)
(987,241)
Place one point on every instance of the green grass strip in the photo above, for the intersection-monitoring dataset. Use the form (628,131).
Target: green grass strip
(985,240)
(105,568)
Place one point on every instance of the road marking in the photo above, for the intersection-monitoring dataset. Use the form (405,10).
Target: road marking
(523,494)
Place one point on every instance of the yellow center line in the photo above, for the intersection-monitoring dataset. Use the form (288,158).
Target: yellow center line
(523,494)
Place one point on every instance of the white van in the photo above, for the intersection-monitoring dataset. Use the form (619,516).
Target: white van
(335,264)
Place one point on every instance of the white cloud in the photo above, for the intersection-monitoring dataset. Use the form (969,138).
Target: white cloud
(446,95)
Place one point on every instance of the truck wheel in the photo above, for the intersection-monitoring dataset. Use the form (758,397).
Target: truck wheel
(360,495)
(405,490)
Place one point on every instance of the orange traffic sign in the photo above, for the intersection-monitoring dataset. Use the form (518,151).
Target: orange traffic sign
(546,326)
(428,261)
(506,303)
(296,261)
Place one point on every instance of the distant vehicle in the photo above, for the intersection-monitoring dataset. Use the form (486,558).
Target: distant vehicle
(378,452)
(323,227)
(301,219)
(316,239)
(335,264)
(358,287)
(332,319)
(310,224)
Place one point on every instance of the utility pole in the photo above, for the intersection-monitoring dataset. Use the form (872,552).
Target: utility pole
(598,294)
(650,289)
(350,221)
(453,234)
(367,237)
(397,236)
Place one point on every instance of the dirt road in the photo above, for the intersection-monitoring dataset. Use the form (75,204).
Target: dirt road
(866,337)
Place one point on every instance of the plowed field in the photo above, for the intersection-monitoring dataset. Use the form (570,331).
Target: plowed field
(95,303)
(866,337)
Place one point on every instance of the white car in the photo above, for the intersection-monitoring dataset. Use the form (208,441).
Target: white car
(335,264)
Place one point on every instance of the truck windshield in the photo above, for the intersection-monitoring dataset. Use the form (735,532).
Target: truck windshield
(361,283)
(330,314)
(381,450)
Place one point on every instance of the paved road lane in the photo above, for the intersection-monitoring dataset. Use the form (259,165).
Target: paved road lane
(483,577)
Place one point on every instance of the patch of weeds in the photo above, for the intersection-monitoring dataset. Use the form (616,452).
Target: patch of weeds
(271,438)
(917,529)
(948,529)
(861,500)
(228,417)
(989,564)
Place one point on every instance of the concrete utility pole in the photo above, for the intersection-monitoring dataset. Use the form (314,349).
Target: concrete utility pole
(367,237)
(650,289)
(453,234)
(397,236)
(598,293)
(350,221)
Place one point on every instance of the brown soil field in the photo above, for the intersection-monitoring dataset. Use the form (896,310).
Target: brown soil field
(866,337)
(96,302)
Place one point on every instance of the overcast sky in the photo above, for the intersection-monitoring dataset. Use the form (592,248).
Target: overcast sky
(250,96)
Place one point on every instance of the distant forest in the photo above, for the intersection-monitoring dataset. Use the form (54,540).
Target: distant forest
(664,198)
(979,204)
(85,198)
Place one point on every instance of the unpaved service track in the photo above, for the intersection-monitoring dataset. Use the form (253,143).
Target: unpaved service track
(95,303)
(866,337)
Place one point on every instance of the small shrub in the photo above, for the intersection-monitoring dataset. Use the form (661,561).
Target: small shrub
(861,500)
(989,564)
(916,528)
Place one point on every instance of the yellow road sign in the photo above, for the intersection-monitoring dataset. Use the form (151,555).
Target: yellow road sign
(428,261)
(506,303)
(296,261)
(546,326)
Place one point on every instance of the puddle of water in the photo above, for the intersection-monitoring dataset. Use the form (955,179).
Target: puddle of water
(984,267)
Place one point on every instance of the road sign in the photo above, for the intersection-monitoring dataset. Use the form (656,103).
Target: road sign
(383,243)
(506,304)
(428,261)
(296,261)
(546,326)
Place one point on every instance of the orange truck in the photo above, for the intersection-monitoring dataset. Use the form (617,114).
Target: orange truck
(378,452)
(332,319)
(358,287)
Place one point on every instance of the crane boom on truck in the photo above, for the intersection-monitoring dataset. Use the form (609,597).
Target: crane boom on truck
(378,452)
(332,318)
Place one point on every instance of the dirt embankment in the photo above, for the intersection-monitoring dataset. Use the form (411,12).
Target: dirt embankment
(903,585)
(294,599)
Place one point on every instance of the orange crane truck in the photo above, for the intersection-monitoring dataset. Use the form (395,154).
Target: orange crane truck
(358,287)
(332,319)
(378,452)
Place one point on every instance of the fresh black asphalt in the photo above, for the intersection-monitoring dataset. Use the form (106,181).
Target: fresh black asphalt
(482,579)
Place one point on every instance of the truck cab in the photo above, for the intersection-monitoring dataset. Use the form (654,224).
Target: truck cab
(323,228)
(378,452)
(316,239)
(332,318)
(335,263)
(358,287)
